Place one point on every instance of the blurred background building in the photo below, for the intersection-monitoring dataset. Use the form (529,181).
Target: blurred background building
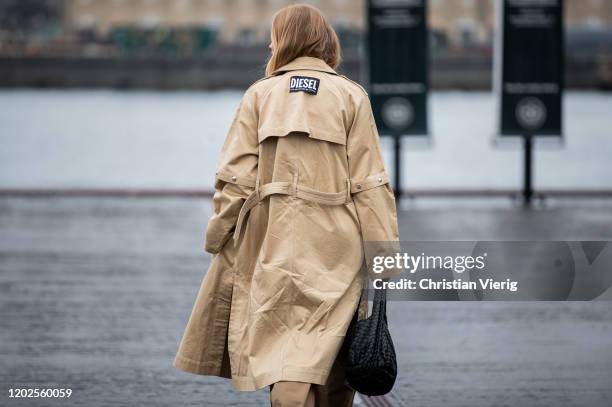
(205,43)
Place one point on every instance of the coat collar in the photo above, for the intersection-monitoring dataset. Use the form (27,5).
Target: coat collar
(306,63)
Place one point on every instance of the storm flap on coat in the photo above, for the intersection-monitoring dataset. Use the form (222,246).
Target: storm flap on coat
(300,186)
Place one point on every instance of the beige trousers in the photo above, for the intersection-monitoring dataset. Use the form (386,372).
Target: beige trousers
(334,393)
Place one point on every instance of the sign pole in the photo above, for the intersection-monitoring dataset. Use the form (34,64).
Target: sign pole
(397,148)
(529,75)
(528,170)
(397,72)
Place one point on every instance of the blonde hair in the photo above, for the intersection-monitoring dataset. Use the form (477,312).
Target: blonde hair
(301,30)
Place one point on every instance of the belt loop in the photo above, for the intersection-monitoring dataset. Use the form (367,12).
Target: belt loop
(257,187)
(348,190)
(294,186)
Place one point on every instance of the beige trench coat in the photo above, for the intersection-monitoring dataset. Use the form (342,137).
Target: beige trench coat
(300,186)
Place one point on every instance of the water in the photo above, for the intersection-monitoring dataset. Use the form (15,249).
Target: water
(142,139)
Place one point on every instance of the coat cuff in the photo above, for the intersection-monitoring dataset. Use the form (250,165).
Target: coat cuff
(217,234)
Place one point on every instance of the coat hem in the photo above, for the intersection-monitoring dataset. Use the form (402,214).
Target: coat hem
(291,374)
(246,383)
(199,368)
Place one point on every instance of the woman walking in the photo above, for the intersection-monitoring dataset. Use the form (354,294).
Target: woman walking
(300,186)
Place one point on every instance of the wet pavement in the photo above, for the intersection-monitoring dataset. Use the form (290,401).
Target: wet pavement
(95,294)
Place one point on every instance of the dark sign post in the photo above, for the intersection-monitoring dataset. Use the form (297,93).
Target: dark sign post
(530,73)
(398,66)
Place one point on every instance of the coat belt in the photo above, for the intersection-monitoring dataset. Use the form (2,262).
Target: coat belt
(292,189)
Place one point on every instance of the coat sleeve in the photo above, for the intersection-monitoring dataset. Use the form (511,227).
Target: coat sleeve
(370,189)
(235,176)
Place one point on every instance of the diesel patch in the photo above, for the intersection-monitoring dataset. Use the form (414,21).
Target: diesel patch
(304,84)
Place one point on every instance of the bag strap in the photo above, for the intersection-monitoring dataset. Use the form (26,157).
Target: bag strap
(379,306)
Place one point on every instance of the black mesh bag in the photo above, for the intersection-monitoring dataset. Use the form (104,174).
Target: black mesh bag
(371,365)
